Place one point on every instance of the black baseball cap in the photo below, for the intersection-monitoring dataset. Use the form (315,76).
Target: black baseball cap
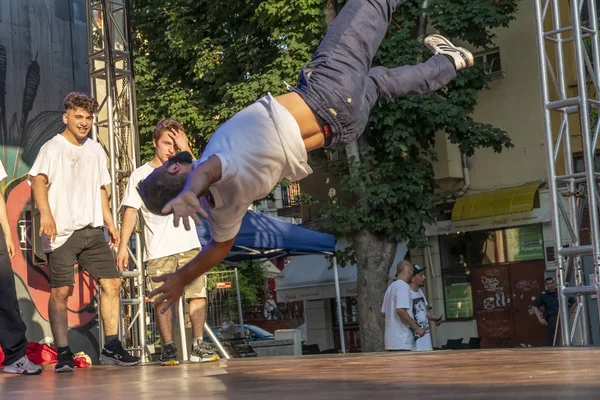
(418,269)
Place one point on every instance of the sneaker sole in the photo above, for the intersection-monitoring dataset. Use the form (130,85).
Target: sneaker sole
(111,361)
(64,368)
(24,372)
(211,359)
(467,53)
(194,359)
(169,363)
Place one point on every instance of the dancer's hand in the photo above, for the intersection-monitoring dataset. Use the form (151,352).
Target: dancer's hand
(171,289)
(185,205)
(420,332)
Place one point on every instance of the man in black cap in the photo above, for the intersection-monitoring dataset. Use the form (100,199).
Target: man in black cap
(420,309)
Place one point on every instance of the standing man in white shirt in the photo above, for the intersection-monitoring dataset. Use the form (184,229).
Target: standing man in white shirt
(12,327)
(68,180)
(420,311)
(401,329)
(166,248)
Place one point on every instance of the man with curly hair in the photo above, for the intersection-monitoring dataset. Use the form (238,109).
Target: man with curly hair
(68,180)
(269,140)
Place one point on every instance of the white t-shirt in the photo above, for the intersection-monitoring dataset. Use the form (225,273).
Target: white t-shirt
(76,175)
(419,309)
(161,238)
(398,335)
(258,147)
(2,172)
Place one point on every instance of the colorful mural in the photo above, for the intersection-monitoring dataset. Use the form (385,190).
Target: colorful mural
(43,56)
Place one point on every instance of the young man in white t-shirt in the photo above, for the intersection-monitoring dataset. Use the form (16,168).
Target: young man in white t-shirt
(420,310)
(400,327)
(68,180)
(166,248)
(269,140)
(12,327)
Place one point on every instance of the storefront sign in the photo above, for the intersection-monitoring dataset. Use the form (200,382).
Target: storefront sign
(535,216)
(524,243)
(459,301)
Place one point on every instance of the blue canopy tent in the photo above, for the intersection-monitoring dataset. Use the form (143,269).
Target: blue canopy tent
(263,237)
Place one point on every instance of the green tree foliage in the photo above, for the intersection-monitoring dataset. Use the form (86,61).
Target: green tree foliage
(394,180)
(202,61)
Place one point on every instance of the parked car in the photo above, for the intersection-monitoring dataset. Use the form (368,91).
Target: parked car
(251,332)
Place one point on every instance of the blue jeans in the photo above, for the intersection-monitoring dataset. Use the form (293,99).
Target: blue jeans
(340,86)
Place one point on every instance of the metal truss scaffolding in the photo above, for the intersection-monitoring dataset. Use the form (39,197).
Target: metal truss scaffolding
(570,27)
(111,81)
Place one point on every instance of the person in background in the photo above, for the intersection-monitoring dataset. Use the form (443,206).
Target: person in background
(166,248)
(68,180)
(12,327)
(548,301)
(400,327)
(420,309)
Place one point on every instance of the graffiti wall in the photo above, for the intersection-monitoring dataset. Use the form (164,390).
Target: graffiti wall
(43,56)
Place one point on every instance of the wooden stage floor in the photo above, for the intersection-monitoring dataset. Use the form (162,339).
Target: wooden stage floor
(468,374)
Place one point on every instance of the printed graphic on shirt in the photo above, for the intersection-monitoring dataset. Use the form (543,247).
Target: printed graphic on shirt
(419,308)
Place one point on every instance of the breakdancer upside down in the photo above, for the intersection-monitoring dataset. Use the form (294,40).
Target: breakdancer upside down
(269,140)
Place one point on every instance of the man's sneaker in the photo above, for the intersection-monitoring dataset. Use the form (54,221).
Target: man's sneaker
(65,362)
(440,45)
(204,352)
(23,366)
(169,355)
(116,355)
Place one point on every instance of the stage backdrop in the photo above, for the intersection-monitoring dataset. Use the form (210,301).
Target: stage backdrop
(43,56)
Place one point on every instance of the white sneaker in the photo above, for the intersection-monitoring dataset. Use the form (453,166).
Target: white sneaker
(23,366)
(440,45)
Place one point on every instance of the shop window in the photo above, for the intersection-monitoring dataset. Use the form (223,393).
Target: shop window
(460,252)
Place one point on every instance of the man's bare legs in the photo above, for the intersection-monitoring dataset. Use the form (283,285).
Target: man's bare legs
(198,316)
(57,313)
(109,305)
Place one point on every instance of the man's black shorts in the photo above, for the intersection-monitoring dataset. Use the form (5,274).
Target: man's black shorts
(89,248)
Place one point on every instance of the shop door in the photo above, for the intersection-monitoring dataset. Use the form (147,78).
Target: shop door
(527,283)
(492,306)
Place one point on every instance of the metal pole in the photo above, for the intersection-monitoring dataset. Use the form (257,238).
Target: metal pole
(239,301)
(141,297)
(586,139)
(550,162)
(568,154)
(339,305)
(216,341)
(592,191)
(182,328)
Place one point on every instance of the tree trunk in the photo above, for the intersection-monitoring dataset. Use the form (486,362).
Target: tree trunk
(374,256)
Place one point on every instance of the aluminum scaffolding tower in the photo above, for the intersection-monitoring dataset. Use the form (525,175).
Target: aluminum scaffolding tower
(556,36)
(111,81)
(110,65)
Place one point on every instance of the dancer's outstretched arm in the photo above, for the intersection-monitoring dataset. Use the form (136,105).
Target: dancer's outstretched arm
(173,284)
